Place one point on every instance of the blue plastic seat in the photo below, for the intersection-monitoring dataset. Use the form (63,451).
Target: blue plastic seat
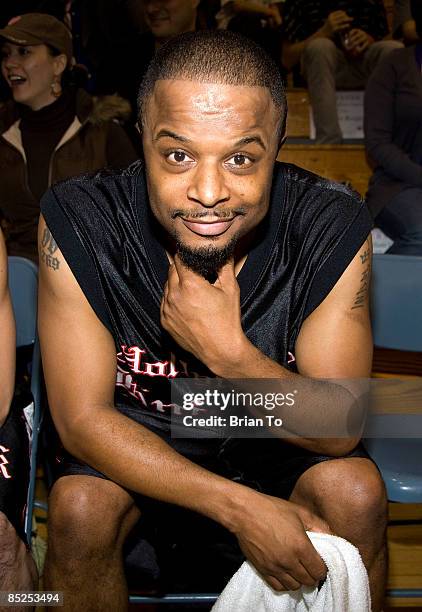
(23,283)
(397,324)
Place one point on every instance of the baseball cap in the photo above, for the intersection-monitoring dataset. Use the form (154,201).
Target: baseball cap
(38,29)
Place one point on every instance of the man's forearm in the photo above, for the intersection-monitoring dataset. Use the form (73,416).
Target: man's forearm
(7,356)
(139,460)
(326,416)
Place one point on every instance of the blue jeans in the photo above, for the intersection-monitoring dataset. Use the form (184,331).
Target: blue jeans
(401,220)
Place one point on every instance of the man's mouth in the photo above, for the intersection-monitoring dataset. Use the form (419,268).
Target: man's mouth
(157,18)
(209,228)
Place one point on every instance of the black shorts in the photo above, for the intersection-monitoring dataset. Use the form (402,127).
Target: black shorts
(186,551)
(14,466)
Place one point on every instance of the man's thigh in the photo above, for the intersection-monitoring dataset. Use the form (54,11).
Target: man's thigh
(273,466)
(166,546)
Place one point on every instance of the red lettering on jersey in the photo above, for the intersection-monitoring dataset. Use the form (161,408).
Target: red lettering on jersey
(125,380)
(4,462)
(133,356)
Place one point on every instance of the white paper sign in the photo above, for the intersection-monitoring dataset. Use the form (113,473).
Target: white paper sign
(350,114)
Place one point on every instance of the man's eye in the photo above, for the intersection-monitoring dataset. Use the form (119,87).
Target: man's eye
(24,51)
(178,157)
(240,161)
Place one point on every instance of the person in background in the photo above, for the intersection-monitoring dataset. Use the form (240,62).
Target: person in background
(404,25)
(10,8)
(163,19)
(259,20)
(337,44)
(50,130)
(264,9)
(393,138)
(207,12)
(17,567)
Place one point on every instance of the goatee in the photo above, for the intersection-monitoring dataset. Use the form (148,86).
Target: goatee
(207,260)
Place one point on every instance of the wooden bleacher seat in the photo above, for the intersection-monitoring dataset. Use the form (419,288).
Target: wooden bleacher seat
(298,124)
(342,163)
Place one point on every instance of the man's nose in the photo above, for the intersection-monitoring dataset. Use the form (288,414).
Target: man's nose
(152,5)
(208,185)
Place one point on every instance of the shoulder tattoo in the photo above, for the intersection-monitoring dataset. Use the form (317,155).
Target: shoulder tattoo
(365,277)
(48,249)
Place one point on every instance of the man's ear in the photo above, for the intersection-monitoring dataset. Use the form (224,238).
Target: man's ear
(281,143)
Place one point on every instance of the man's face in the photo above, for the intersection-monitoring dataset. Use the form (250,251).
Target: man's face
(168,18)
(209,152)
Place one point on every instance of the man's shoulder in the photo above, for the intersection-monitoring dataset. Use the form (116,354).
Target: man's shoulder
(308,204)
(100,190)
(299,183)
(105,180)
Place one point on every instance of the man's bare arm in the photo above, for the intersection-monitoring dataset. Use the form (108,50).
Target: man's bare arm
(79,359)
(7,337)
(334,342)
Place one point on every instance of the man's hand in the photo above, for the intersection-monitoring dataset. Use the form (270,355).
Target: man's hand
(336,22)
(272,536)
(274,16)
(359,41)
(203,318)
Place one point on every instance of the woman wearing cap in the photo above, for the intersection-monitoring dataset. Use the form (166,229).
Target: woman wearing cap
(49,130)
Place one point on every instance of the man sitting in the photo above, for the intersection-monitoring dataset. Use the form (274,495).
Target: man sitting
(209,260)
(17,567)
(337,44)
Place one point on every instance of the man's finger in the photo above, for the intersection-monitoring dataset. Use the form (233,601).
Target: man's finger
(314,578)
(312,562)
(165,292)
(287,582)
(184,273)
(301,574)
(172,278)
(226,274)
(274,583)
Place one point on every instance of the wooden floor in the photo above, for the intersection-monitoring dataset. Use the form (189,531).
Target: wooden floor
(405,553)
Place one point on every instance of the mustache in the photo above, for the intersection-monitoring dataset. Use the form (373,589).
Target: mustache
(161,14)
(227,213)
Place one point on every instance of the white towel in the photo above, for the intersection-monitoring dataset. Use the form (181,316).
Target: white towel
(346,588)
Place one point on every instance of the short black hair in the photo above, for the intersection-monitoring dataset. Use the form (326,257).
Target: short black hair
(416,11)
(215,56)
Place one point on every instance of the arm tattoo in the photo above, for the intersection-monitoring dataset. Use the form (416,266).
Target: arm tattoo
(48,248)
(361,294)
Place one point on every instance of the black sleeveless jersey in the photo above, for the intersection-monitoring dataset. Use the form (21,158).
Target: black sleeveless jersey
(106,232)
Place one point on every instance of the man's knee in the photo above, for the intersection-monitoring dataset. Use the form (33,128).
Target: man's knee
(381,48)
(88,515)
(321,49)
(9,539)
(351,487)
